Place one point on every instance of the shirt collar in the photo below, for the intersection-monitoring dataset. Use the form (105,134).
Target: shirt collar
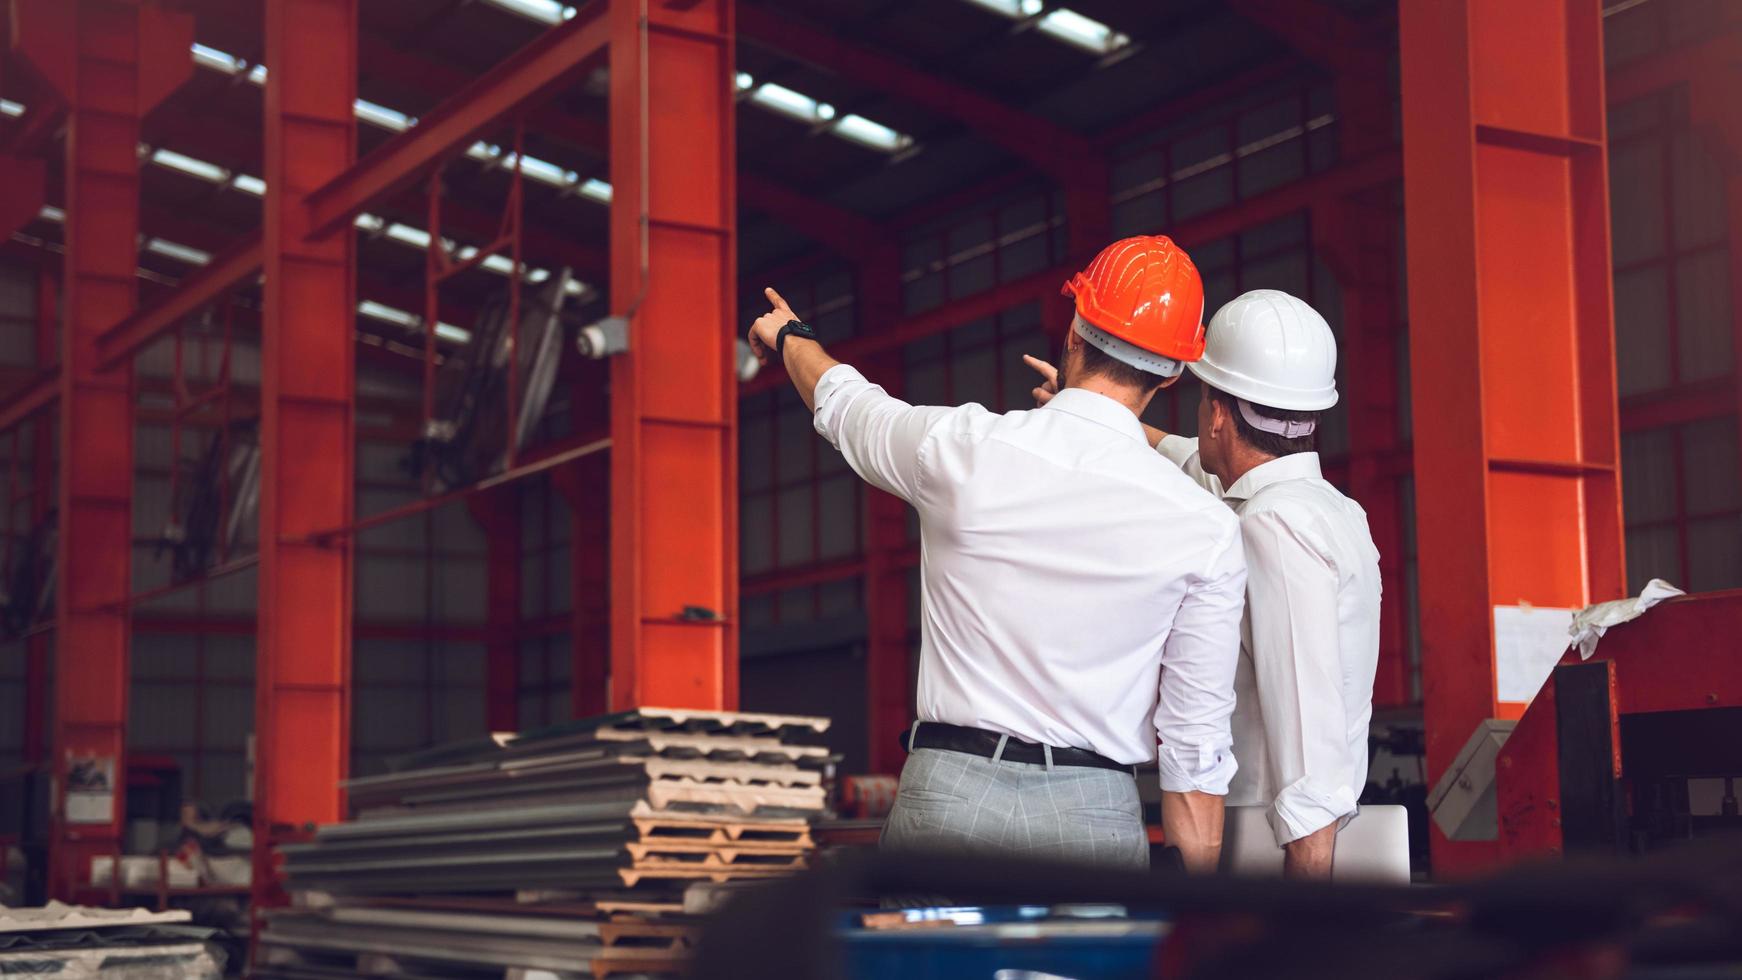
(1294,466)
(1098,408)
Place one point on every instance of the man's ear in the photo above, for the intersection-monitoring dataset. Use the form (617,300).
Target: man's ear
(1219,416)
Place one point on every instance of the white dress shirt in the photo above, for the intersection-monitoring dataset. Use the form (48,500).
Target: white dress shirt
(1309,645)
(1077,590)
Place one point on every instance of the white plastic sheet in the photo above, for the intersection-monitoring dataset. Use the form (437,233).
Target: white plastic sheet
(1591,622)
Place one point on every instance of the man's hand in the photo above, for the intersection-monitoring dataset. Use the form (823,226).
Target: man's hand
(767,326)
(1049,379)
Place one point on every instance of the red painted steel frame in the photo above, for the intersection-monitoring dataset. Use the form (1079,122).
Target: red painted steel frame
(110,63)
(674,397)
(1666,661)
(1512,343)
(307,419)
(556,56)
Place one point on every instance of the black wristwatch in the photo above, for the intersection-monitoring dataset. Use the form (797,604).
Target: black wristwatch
(796,328)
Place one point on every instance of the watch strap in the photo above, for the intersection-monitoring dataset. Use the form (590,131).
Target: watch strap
(794,327)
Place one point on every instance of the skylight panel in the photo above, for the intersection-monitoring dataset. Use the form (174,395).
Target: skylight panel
(415,237)
(1085,32)
(370,223)
(542,171)
(192,167)
(797,105)
(875,135)
(596,189)
(51,213)
(216,60)
(1062,23)
(387,314)
(257,74)
(181,253)
(410,321)
(383,117)
(249,184)
(543,11)
(11,108)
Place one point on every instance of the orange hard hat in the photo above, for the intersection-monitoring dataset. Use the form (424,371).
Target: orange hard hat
(1145,292)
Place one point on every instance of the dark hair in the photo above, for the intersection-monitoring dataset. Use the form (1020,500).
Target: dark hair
(1099,362)
(1268,443)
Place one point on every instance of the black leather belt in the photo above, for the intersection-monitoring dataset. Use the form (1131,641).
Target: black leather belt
(980,742)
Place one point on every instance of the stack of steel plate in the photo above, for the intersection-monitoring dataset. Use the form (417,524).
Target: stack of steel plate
(567,850)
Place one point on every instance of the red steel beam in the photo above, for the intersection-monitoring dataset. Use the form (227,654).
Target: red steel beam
(1320,32)
(110,63)
(39,647)
(118,345)
(1517,461)
(535,70)
(674,395)
(1045,144)
(307,434)
(844,232)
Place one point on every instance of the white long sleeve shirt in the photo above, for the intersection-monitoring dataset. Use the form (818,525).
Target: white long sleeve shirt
(1077,590)
(1309,645)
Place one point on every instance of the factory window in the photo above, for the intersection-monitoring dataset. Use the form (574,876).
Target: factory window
(1683,504)
(799,502)
(1186,171)
(410,694)
(193,701)
(1673,323)
(1016,236)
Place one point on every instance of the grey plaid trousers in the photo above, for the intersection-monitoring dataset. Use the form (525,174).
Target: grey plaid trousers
(960,802)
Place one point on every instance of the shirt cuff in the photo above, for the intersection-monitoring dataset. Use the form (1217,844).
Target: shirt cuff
(836,380)
(1178,449)
(1196,769)
(1300,809)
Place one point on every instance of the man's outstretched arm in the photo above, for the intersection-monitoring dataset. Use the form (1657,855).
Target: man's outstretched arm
(877,434)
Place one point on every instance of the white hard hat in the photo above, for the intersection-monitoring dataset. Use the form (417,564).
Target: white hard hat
(1271,349)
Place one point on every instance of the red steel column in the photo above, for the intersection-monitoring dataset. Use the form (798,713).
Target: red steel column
(1512,343)
(111,63)
(498,514)
(674,546)
(307,409)
(888,674)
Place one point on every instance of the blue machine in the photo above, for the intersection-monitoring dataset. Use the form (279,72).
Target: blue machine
(1004,943)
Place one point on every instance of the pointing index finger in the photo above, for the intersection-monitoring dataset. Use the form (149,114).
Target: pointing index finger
(774,298)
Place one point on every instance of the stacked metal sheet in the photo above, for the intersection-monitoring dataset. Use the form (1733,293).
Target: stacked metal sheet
(567,850)
(74,943)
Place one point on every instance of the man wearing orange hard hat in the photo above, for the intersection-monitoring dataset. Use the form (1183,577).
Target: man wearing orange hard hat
(1081,595)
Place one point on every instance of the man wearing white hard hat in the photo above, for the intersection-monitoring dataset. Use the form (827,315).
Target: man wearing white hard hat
(1310,640)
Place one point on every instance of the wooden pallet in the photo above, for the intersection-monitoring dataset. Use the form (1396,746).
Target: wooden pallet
(739,834)
(641,933)
(666,854)
(669,964)
(619,908)
(635,876)
(651,822)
